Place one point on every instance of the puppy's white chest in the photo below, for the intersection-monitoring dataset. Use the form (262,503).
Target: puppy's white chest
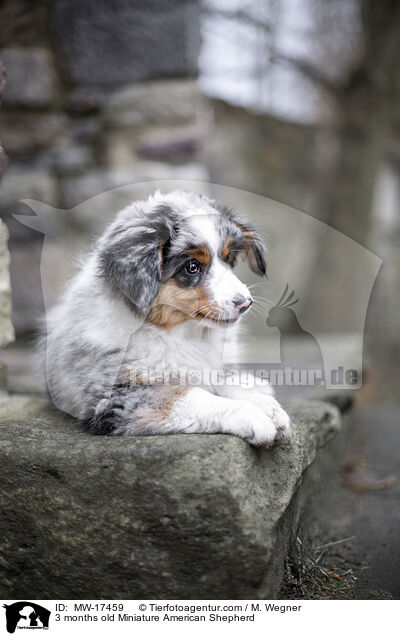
(187,349)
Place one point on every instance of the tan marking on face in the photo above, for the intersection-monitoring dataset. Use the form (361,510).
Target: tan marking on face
(201,253)
(227,247)
(159,254)
(167,397)
(173,305)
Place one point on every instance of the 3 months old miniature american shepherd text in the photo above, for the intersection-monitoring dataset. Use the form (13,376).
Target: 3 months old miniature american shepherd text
(158,292)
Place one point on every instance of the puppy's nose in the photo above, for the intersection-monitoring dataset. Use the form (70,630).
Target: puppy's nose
(242,304)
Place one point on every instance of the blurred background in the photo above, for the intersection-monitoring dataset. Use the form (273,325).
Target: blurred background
(295,100)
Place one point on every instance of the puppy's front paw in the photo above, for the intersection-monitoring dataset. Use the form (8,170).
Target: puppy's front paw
(252,424)
(277,414)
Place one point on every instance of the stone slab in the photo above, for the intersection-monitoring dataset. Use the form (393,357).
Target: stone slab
(180,516)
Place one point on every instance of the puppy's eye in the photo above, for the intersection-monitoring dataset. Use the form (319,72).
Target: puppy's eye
(192,267)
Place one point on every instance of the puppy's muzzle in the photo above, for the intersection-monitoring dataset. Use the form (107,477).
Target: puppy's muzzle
(242,304)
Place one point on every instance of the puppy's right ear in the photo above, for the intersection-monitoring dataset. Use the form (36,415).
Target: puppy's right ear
(133,263)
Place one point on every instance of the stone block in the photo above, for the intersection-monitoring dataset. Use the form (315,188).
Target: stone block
(31,78)
(177,516)
(109,44)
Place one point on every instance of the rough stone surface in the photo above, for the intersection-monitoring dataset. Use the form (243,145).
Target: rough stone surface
(108,44)
(6,328)
(182,516)
(30,76)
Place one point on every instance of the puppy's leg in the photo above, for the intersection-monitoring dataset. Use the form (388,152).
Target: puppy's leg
(199,411)
(155,410)
(262,397)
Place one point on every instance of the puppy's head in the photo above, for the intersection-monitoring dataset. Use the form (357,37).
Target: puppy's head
(172,258)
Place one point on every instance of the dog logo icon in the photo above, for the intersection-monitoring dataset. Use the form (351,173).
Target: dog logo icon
(292,334)
(26,615)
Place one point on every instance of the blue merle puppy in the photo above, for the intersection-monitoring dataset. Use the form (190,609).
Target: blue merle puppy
(158,294)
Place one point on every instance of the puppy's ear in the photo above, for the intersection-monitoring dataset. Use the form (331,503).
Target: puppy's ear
(254,247)
(252,244)
(133,263)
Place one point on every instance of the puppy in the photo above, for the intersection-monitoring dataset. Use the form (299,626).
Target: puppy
(157,294)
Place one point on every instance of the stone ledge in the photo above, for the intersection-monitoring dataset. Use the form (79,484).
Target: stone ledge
(182,516)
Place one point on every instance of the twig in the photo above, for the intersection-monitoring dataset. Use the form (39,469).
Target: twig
(328,545)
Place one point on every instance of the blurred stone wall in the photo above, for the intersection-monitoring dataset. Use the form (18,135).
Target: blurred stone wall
(6,328)
(99,94)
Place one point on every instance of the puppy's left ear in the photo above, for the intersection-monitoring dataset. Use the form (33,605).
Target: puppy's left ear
(254,247)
